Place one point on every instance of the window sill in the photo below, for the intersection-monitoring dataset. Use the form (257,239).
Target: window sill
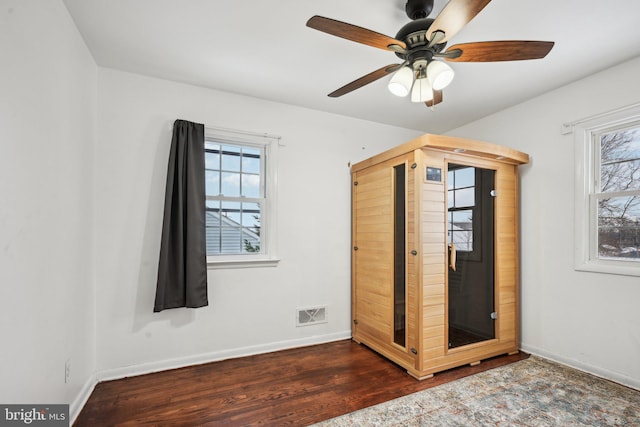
(214,263)
(623,268)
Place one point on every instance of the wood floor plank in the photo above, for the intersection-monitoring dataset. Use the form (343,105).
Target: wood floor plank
(294,387)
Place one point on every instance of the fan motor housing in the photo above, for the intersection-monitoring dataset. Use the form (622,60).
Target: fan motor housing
(417,9)
(414,34)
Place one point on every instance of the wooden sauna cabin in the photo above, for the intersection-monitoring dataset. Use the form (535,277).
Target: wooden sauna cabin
(435,253)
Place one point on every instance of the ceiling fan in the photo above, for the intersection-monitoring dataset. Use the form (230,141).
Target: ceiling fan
(420,44)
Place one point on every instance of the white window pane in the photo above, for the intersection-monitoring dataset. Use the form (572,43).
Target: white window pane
(251,151)
(621,145)
(210,145)
(463,240)
(464,177)
(213,240)
(450,180)
(251,161)
(620,176)
(251,220)
(250,185)
(231,239)
(211,160)
(212,224)
(212,206)
(619,227)
(231,212)
(462,219)
(464,197)
(212,183)
(230,184)
(231,158)
(251,223)
(461,230)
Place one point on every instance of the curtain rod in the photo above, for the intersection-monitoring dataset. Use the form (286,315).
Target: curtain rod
(242,132)
(567,128)
(238,132)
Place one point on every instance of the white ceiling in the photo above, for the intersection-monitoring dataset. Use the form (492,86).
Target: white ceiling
(262,48)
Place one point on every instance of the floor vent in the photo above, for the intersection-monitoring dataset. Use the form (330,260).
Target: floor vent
(311,316)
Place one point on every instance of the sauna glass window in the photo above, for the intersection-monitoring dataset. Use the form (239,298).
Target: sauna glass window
(460,202)
(399,269)
(608,194)
(239,214)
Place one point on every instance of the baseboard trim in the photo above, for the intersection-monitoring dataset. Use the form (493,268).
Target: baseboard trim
(595,370)
(163,365)
(76,406)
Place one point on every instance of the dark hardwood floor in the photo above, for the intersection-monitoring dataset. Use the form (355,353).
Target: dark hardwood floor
(294,387)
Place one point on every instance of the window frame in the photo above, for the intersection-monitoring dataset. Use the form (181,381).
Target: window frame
(587,194)
(267,257)
(475,254)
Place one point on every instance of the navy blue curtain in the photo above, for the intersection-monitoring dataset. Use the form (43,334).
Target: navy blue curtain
(182,269)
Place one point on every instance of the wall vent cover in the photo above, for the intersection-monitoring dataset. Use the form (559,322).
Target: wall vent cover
(311,316)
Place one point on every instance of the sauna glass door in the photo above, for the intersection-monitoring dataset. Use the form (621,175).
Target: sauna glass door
(470,235)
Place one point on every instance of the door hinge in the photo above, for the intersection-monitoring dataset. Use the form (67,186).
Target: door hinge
(493,193)
(494,315)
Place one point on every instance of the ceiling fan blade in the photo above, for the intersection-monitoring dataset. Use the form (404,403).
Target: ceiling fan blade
(509,50)
(365,80)
(354,33)
(455,15)
(437,99)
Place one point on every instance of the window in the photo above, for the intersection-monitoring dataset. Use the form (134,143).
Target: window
(460,203)
(608,195)
(240,191)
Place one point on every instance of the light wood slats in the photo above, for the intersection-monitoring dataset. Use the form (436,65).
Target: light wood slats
(378,201)
(412,276)
(427,272)
(433,278)
(433,215)
(480,149)
(432,321)
(433,248)
(373,277)
(434,259)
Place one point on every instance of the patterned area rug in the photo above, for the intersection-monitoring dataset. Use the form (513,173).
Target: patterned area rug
(531,392)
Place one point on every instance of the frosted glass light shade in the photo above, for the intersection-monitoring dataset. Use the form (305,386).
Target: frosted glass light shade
(440,74)
(422,91)
(401,81)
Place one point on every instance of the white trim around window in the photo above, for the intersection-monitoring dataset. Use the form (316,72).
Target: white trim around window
(267,257)
(586,136)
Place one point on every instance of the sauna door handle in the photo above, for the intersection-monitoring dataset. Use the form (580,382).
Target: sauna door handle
(452,256)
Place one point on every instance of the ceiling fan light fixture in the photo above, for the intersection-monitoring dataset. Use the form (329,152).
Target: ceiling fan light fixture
(401,82)
(440,74)
(422,90)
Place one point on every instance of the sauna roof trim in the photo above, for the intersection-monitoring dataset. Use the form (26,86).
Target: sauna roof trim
(481,149)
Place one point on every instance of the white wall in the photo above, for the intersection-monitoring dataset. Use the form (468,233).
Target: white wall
(588,320)
(47,123)
(75,215)
(250,310)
